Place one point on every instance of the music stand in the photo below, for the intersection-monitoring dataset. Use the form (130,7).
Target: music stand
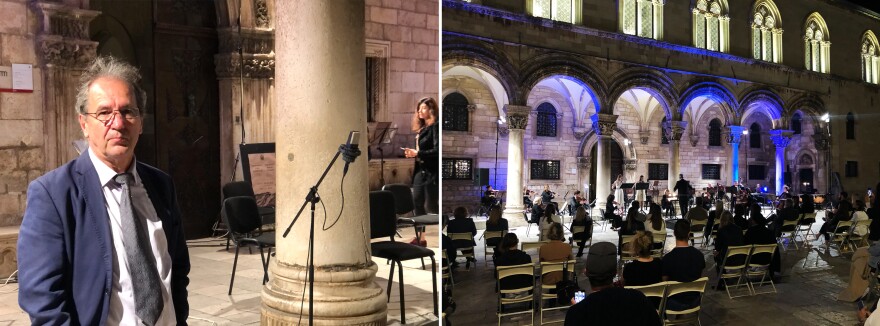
(626,186)
(732,191)
(382,133)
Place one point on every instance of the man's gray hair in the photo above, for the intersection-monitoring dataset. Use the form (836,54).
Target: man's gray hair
(112,68)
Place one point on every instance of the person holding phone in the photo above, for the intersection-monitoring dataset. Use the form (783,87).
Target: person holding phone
(426,185)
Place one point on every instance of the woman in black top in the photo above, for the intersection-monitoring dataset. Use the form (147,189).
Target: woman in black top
(630,227)
(495,223)
(645,270)
(506,254)
(729,234)
(581,218)
(425,178)
(609,213)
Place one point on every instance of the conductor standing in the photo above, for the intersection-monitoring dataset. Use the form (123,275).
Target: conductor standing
(683,189)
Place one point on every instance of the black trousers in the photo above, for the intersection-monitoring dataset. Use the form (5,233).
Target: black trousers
(425,189)
(683,204)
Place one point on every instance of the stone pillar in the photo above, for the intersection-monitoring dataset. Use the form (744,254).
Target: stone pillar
(517,119)
(583,164)
(345,290)
(603,126)
(674,130)
(734,134)
(780,138)
(822,140)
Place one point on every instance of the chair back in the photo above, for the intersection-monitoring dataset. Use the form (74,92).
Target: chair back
(789,226)
(467,236)
(575,230)
(625,246)
(656,290)
(768,249)
(403,198)
(736,257)
(238,188)
(698,286)
(383,220)
(513,270)
(242,214)
(557,266)
(529,245)
(488,235)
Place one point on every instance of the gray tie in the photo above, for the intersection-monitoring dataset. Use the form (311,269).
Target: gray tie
(141,263)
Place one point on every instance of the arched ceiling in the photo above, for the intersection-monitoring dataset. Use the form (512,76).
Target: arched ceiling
(643,102)
(492,83)
(579,97)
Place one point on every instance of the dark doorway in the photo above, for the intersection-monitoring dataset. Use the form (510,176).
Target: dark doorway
(616,166)
(805,176)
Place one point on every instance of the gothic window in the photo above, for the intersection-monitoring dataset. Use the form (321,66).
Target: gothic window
(755,136)
(641,17)
(711,25)
(715,132)
(455,112)
(545,169)
(817,44)
(457,168)
(663,138)
(546,120)
(850,126)
(766,32)
(870,58)
(796,123)
(559,10)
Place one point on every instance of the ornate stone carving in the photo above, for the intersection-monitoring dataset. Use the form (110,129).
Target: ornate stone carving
(734,134)
(604,124)
(251,40)
(56,51)
(63,35)
(517,116)
(781,138)
(255,66)
(261,13)
(629,164)
(584,162)
(503,131)
(258,47)
(694,139)
(674,129)
(644,136)
(579,132)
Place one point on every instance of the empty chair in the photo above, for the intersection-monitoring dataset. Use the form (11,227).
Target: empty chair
(805,226)
(759,266)
(698,228)
(243,218)
(244,188)
(568,269)
(403,205)
(686,316)
(733,267)
(383,223)
(491,239)
(516,295)
(529,222)
(789,232)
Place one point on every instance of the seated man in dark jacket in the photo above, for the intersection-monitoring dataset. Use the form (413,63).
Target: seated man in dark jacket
(758,233)
(463,224)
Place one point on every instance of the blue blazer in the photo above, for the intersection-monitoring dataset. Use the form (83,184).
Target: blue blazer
(65,247)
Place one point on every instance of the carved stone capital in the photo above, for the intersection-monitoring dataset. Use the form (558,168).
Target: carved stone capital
(694,139)
(604,124)
(583,162)
(780,137)
(255,65)
(63,35)
(644,136)
(261,14)
(579,132)
(251,40)
(56,51)
(822,141)
(517,116)
(674,129)
(734,134)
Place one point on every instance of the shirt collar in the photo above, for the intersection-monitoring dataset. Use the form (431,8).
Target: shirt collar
(106,174)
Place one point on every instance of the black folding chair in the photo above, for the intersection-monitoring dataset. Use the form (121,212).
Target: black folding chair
(244,188)
(243,218)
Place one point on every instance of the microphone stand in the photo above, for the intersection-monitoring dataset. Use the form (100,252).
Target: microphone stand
(313,198)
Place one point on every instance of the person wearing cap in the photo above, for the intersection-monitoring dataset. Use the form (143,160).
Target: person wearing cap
(606,304)
(683,263)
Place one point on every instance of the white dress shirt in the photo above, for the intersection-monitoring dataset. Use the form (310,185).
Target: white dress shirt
(122,305)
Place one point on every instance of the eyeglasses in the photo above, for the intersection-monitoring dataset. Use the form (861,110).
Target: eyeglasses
(106,117)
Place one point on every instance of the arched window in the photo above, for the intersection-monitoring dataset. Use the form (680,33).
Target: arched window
(766,32)
(817,44)
(568,11)
(455,112)
(546,125)
(711,25)
(850,126)
(663,138)
(641,17)
(796,123)
(715,132)
(755,136)
(870,58)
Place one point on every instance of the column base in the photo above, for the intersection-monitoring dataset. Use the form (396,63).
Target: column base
(344,295)
(514,215)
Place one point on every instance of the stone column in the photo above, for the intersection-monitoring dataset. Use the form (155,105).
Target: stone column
(823,147)
(780,138)
(517,119)
(674,130)
(583,164)
(603,126)
(324,68)
(734,134)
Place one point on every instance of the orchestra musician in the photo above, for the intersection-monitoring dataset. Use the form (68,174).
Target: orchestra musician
(618,192)
(611,208)
(547,195)
(641,196)
(489,197)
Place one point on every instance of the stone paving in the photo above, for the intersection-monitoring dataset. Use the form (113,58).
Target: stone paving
(209,283)
(812,278)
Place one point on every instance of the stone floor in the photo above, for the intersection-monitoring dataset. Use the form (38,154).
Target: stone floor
(812,277)
(209,283)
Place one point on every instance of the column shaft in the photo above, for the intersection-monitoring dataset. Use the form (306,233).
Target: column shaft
(517,118)
(603,126)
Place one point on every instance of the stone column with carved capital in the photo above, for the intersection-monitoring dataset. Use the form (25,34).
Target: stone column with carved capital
(517,120)
(603,126)
(781,138)
(674,130)
(345,289)
(734,134)
(64,50)
(583,166)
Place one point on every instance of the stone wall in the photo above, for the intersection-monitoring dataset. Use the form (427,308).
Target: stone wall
(21,114)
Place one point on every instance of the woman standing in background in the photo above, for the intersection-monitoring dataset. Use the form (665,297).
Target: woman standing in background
(425,179)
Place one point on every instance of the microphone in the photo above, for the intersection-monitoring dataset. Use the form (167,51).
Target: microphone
(350,150)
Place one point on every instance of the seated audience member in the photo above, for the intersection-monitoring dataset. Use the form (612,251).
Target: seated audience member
(581,218)
(713,217)
(859,215)
(507,254)
(495,223)
(527,198)
(788,213)
(462,224)
(858,276)
(758,233)
(630,227)
(547,220)
(641,217)
(874,215)
(607,304)
(451,252)
(843,212)
(610,208)
(656,224)
(537,210)
(683,264)
(729,234)
(646,269)
(666,204)
(554,251)
(698,213)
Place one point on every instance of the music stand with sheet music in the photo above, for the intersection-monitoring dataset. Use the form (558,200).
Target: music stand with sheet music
(626,186)
(382,133)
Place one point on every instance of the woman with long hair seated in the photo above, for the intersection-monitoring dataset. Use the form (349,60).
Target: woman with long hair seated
(656,224)
(581,218)
(507,254)
(547,220)
(645,269)
(630,226)
(495,223)
(554,251)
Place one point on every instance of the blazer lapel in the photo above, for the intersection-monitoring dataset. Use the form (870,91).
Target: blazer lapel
(92,194)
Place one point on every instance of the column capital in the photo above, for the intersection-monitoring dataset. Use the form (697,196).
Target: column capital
(734,134)
(583,162)
(604,124)
(674,129)
(781,137)
(517,116)
(644,136)
(63,35)
(822,141)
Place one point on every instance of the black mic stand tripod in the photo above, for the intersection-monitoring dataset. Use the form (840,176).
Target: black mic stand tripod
(348,155)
